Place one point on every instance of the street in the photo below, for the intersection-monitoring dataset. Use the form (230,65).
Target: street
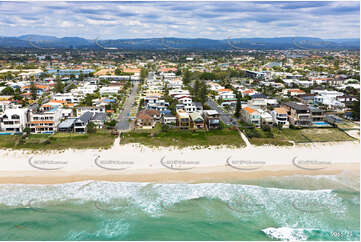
(123,118)
(225,117)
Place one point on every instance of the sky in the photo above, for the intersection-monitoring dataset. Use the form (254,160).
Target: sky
(215,20)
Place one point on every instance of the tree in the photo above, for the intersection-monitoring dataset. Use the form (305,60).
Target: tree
(7,91)
(143,74)
(88,99)
(33,91)
(203,94)
(186,77)
(196,88)
(91,127)
(59,87)
(117,72)
(356,110)
(238,106)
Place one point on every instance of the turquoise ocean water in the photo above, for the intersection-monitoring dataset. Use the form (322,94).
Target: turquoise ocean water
(275,208)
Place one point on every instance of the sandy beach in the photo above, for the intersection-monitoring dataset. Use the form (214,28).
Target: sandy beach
(169,165)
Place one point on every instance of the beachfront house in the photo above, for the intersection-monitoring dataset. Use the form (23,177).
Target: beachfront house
(280,117)
(251,116)
(81,124)
(182,119)
(13,120)
(169,119)
(298,114)
(45,120)
(197,121)
(147,118)
(212,119)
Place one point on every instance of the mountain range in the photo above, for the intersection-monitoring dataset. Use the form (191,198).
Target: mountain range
(46,42)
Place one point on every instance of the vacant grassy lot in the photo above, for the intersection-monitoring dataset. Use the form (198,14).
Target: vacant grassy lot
(326,135)
(184,138)
(59,141)
(283,136)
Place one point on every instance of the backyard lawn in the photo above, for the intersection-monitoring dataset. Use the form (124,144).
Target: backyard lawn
(58,141)
(184,138)
(283,136)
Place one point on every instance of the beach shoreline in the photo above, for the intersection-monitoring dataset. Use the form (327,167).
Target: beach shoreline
(200,175)
(136,163)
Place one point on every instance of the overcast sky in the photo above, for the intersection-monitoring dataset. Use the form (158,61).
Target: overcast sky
(216,20)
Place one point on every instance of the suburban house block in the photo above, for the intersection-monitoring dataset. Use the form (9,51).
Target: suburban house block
(298,114)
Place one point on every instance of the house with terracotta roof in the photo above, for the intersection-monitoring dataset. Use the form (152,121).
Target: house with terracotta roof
(293,92)
(225,94)
(147,118)
(248,92)
(251,116)
(40,89)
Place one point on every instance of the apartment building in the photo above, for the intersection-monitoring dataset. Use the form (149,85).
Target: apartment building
(45,121)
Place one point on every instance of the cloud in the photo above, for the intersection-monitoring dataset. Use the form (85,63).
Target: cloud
(214,20)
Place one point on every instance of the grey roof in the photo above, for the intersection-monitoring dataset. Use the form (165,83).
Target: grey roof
(258,95)
(86,116)
(296,106)
(99,116)
(315,109)
(168,115)
(67,123)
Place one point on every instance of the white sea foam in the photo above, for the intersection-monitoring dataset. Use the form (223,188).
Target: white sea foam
(286,234)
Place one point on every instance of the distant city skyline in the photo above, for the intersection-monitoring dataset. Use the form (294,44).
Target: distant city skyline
(214,20)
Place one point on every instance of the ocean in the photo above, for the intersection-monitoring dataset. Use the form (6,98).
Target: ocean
(298,207)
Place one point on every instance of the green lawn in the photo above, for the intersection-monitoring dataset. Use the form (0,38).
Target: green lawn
(283,136)
(58,141)
(184,138)
(326,135)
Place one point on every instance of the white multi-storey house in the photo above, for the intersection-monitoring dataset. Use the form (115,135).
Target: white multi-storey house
(13,120)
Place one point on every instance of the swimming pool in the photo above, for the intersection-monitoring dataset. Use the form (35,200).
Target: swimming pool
(320,123)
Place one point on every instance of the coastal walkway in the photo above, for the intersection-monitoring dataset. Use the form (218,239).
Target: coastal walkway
(244,137)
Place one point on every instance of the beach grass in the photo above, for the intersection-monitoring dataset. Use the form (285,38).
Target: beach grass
(184,138)
(59,141)
(326,135)
(282,137)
